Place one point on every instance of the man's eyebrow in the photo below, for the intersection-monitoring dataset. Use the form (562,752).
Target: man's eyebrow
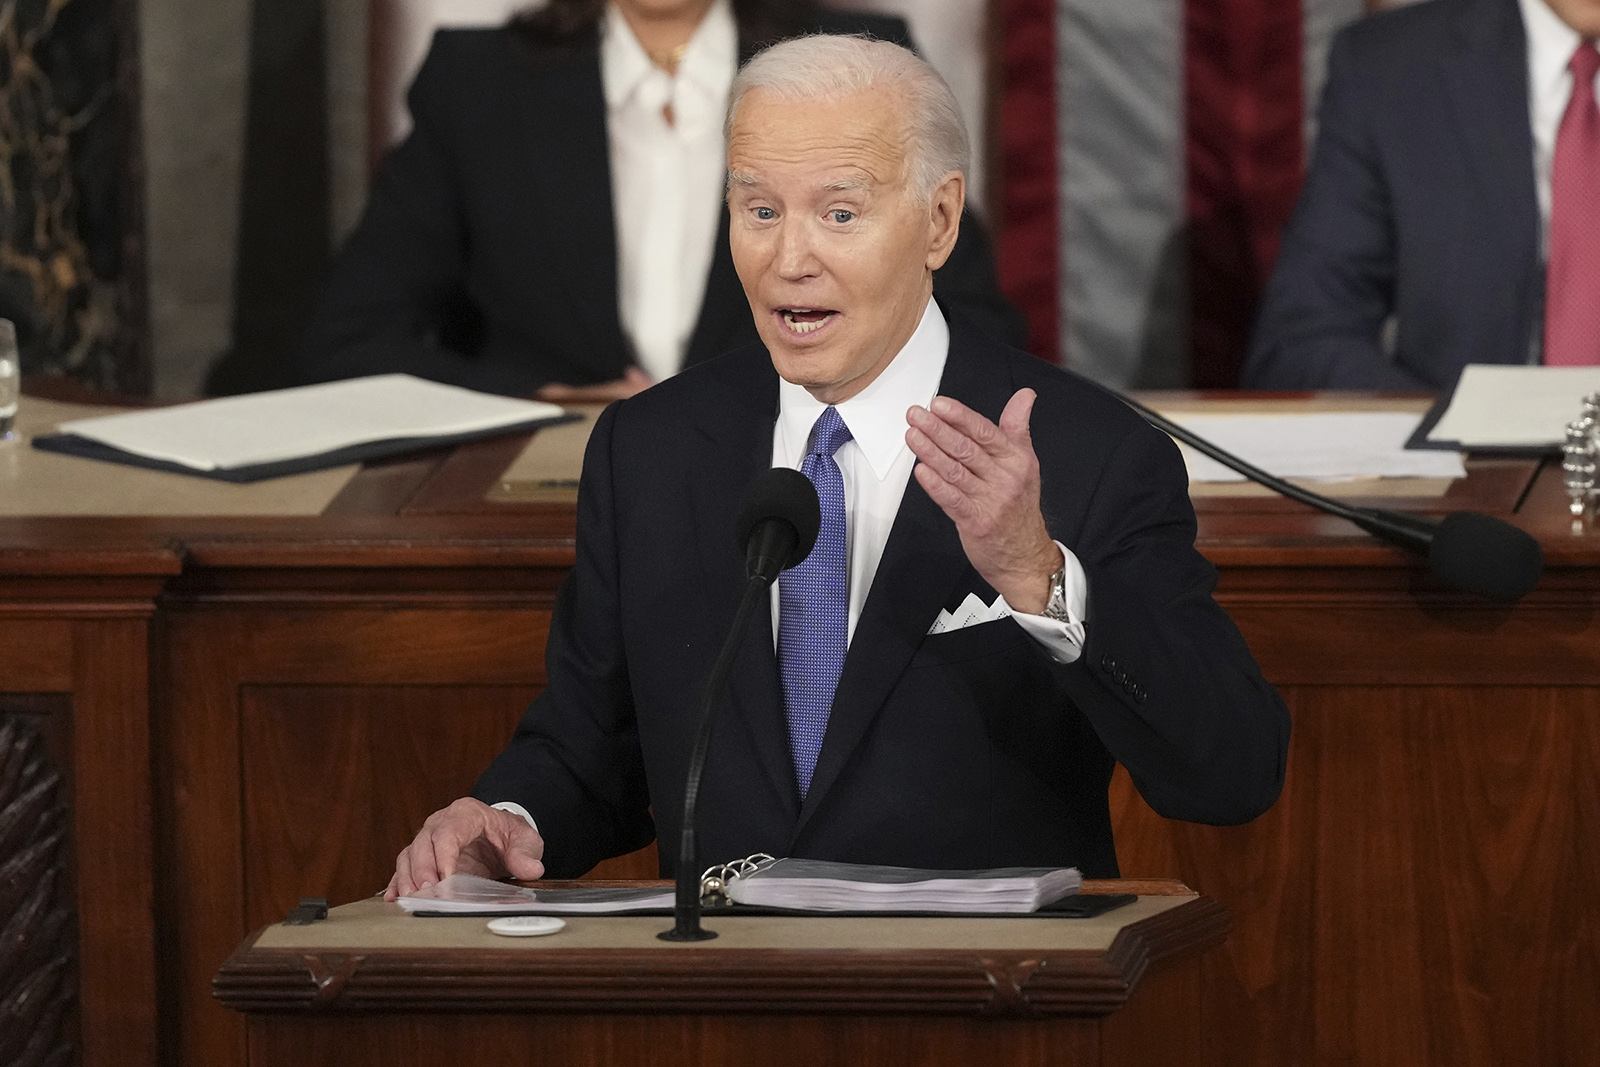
(844,184)
(739,177)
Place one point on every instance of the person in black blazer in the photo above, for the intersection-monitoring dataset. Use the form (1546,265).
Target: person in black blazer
(487,255)
(1415,247)
(978,746)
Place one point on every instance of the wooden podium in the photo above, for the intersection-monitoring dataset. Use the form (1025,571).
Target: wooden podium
(247,698)
(372,986)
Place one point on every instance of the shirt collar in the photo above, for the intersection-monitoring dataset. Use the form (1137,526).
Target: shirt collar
(1551,43)
(876,415)
(710,59)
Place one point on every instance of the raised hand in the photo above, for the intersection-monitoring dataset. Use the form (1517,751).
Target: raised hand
(986,478)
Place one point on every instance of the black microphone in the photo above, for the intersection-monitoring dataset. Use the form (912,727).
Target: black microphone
(777,526)
(1465,550)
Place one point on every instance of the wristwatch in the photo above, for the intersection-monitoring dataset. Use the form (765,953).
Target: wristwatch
(1056,609)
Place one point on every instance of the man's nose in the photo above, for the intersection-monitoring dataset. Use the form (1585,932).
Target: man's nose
(796,257)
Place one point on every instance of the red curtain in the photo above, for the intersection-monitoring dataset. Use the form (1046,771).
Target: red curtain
(1244,155)
(1025,202)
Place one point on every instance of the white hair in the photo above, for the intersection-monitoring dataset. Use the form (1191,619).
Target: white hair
(828,67)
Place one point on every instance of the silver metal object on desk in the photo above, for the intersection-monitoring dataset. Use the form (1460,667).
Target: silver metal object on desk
(10,378)
(1580,453)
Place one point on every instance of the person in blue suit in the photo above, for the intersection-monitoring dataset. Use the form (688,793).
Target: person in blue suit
(1417,244)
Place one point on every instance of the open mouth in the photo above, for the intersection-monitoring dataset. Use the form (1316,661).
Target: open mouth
(803,321)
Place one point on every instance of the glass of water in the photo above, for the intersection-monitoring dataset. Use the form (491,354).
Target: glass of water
(10,378)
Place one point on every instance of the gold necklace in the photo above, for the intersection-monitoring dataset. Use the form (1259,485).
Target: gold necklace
(669,59)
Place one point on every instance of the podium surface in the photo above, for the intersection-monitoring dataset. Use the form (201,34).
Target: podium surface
(371,984)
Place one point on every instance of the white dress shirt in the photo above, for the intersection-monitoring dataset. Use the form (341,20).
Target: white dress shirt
(667,180)
(876,464)
(1551,43)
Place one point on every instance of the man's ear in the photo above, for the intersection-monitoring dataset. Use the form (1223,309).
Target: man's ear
(944,217)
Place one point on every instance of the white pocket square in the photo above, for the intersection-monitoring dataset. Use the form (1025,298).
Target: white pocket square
(972,612)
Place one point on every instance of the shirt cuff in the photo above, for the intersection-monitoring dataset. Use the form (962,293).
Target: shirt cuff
(1061,641)
(517,809)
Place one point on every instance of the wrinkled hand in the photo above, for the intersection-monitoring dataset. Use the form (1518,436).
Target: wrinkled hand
(632,381)
(471,837)
(986,478)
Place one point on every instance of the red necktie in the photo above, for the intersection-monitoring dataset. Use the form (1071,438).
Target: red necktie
(1572,286)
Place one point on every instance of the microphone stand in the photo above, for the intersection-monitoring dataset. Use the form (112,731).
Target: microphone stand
(686,904)
(1407,531)
(777,524)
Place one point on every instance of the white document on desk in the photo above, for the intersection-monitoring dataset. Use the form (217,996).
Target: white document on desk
(1316,446)
(1515,406)
(312,420)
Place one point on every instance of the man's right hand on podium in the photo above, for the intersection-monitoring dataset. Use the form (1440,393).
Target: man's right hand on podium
(470,837)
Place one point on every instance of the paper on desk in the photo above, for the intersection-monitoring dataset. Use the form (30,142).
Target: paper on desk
(468,894)
(1515,406)
(308,420)
(1316,446)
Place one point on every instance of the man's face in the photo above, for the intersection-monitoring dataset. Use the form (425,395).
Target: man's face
(835,253)
(1582,15)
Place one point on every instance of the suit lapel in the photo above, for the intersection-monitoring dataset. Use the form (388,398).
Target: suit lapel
(735,424)
(568,140)
(921,565)
(1487,78)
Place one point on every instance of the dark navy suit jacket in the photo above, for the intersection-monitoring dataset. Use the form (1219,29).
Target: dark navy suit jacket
(1419,204)
(966,749)
(487,256)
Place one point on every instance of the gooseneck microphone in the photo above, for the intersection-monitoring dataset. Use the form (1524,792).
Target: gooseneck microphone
(1465,550)
(777,525)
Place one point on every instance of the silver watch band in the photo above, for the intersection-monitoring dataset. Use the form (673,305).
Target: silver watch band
(1056,609)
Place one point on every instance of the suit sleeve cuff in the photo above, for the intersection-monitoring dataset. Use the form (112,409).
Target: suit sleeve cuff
(518,810)
(1062,641)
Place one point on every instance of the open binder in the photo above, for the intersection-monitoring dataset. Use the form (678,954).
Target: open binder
(762,885)
(243,439)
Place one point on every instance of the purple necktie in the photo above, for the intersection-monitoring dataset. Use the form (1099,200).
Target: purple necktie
(814,606)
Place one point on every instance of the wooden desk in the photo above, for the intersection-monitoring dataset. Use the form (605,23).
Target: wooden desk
(252,709)
(371,985)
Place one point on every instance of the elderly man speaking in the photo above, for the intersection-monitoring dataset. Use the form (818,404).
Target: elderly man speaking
(993,615)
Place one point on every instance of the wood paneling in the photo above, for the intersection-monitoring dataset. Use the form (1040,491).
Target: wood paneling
(35,655)
(92,662)
(112,820)
(670,1041)
(1423,891)
(306,733)
(337,780)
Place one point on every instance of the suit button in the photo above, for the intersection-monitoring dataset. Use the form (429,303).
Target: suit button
(1108,664)
(1138,694)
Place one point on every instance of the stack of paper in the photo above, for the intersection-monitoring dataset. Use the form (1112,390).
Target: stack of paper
(817,885)
(468,894)
(1317,446)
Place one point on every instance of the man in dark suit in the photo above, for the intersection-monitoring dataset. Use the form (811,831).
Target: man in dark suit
(488,255)
(989,621)
(1418,243)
